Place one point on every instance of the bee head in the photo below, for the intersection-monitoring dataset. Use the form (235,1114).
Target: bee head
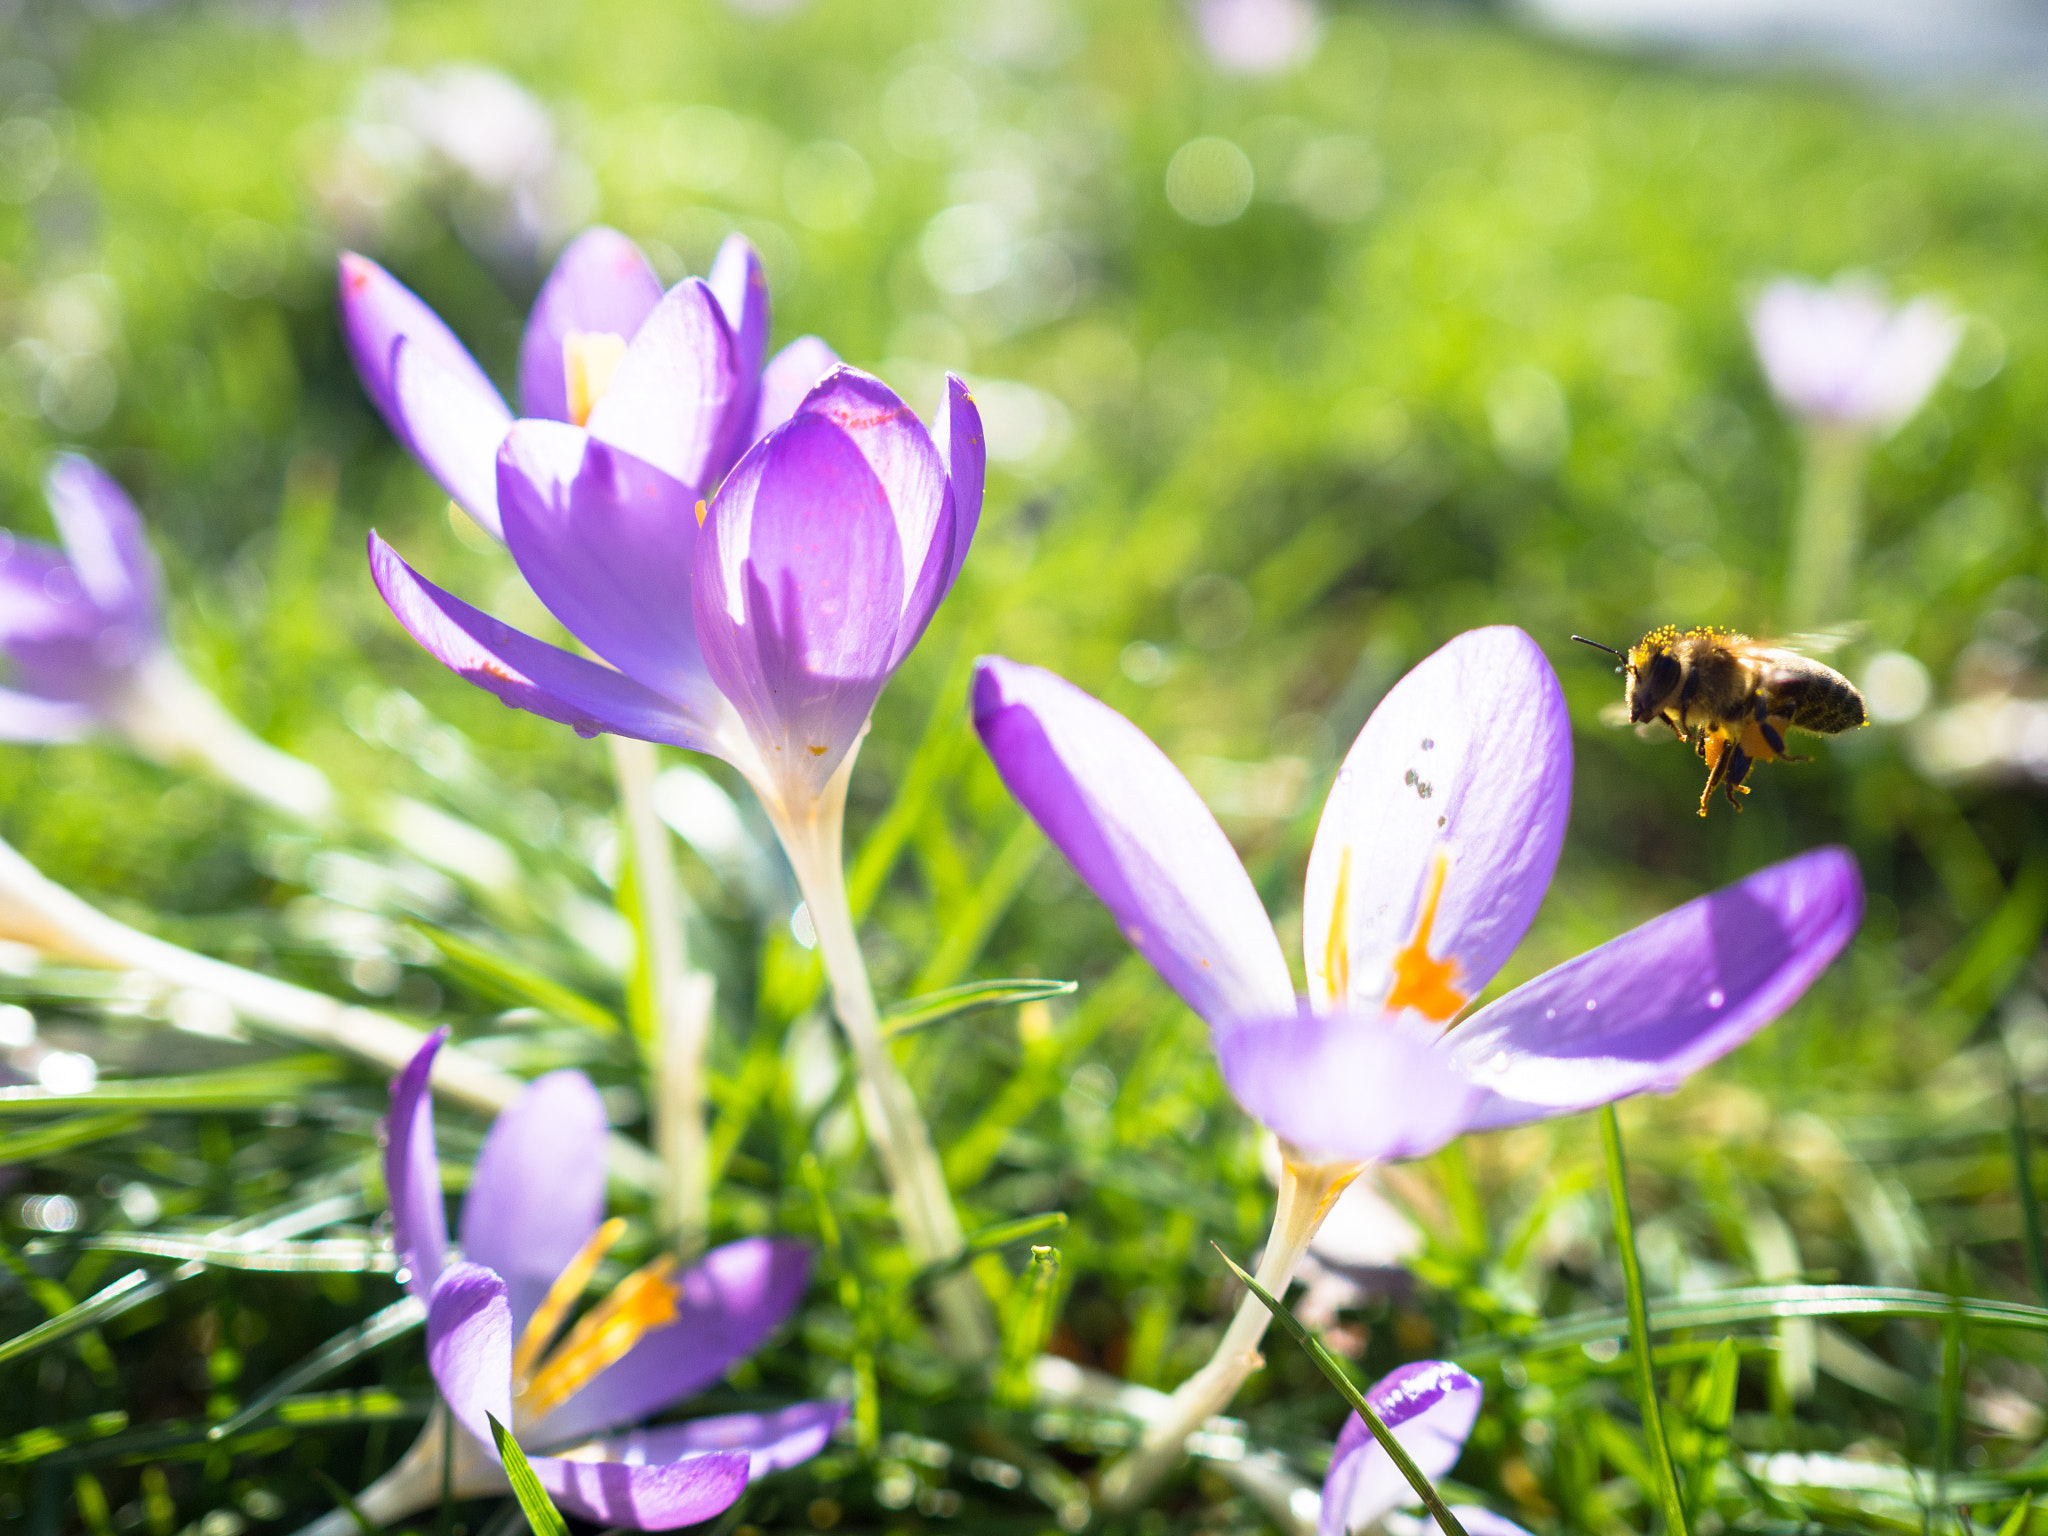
(1653,675)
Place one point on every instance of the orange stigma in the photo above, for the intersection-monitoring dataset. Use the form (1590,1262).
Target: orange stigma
(1420,981)
(589,359)
(640,1303)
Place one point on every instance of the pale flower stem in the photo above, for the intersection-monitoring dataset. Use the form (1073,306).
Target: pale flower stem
(37,912)
(1307,1191)
(171,718)
(1827,527)
(414,1481)
(680,999)
(917,1181)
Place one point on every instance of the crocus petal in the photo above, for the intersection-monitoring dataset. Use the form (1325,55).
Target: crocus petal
(1352,1086)
(601,283)
(1430,1406)
(799,596)
(669,395)
(453,430)
(1646,1010)
(527,673)
(1468,759)
(607,543)
(740,284)
(103,536)
(1139,835)
(412,1174)
(40,597)
(656,1498)
(469,1347)
(790,375)
(538,1190)
(728,1304)
(30,717)
(774,1442)
(957,431)
(376,310)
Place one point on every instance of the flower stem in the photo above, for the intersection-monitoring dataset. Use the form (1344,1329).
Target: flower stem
(1827,527)
(1639,1326)
(1307,1191)
(169,717)
(917,1181)
(679,999)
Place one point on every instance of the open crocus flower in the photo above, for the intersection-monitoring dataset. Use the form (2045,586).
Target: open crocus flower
(533,1234)
(1436,846)
(1430,1406)
(659,376)
(83,633)
(1838,355)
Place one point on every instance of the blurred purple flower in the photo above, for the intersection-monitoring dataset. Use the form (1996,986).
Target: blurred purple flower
(80,625)
(1430,1406)
(1435,849)
(532,1235)
(1258,37)
(675,379)
(1839,355)
(83,633)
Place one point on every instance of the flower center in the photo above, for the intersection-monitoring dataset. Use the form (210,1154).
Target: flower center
(643,1301)
(1422,982)
(589,359)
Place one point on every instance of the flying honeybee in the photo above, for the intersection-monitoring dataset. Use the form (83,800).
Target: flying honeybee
(1732,698)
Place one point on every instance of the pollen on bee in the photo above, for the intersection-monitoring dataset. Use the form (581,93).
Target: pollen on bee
(1421,981)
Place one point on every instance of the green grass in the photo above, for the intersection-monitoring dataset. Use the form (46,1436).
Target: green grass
(1283,470)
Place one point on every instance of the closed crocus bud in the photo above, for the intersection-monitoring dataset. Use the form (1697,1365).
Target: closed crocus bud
(1837,354)
(826,554)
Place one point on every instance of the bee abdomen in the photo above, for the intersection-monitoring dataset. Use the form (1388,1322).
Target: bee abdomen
(1824,705)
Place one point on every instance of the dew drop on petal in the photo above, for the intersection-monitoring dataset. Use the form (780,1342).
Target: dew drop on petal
(1591,1004)
(1550,1013)
(1499,1064)
(1716,998)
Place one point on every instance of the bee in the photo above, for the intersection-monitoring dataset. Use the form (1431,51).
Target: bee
(1732,698)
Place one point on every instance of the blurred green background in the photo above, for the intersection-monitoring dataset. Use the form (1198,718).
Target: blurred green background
(1439,327)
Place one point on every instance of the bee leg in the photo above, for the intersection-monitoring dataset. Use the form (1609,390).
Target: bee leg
(1738,769)
(1715,751)
(1773,732)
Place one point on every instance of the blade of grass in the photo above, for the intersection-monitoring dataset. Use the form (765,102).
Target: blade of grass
(1003,1234)
(131,1290)
(511,983)
(394,1322)
(1639,1325)
(1754,1304)
(343,1502)
(62,1135)
(2031,1252)
(1340,1378)
(971,997)
(1030,1322)
(541,1513)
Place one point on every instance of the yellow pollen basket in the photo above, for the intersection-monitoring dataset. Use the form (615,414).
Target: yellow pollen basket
(589,359)
(640,1303)
(1420,981)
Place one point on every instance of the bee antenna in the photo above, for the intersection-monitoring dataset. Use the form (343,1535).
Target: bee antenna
(1610,650)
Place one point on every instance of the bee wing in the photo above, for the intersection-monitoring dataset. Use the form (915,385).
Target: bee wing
(1615,714)
(1820,643)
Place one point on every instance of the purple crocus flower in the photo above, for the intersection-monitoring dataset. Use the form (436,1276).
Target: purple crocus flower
(1838,355)
(532,1235)
(1436,846)
(79,626)
(1435,849)
(675,379)
(82,629)
(1431,1407)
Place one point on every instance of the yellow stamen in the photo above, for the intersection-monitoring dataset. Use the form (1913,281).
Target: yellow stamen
(1420,982)
(547,1317)
(702,512)
(1337,949)
(643,1301)
(589,359)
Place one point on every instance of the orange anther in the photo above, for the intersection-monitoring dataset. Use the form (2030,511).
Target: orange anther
(1422,982)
